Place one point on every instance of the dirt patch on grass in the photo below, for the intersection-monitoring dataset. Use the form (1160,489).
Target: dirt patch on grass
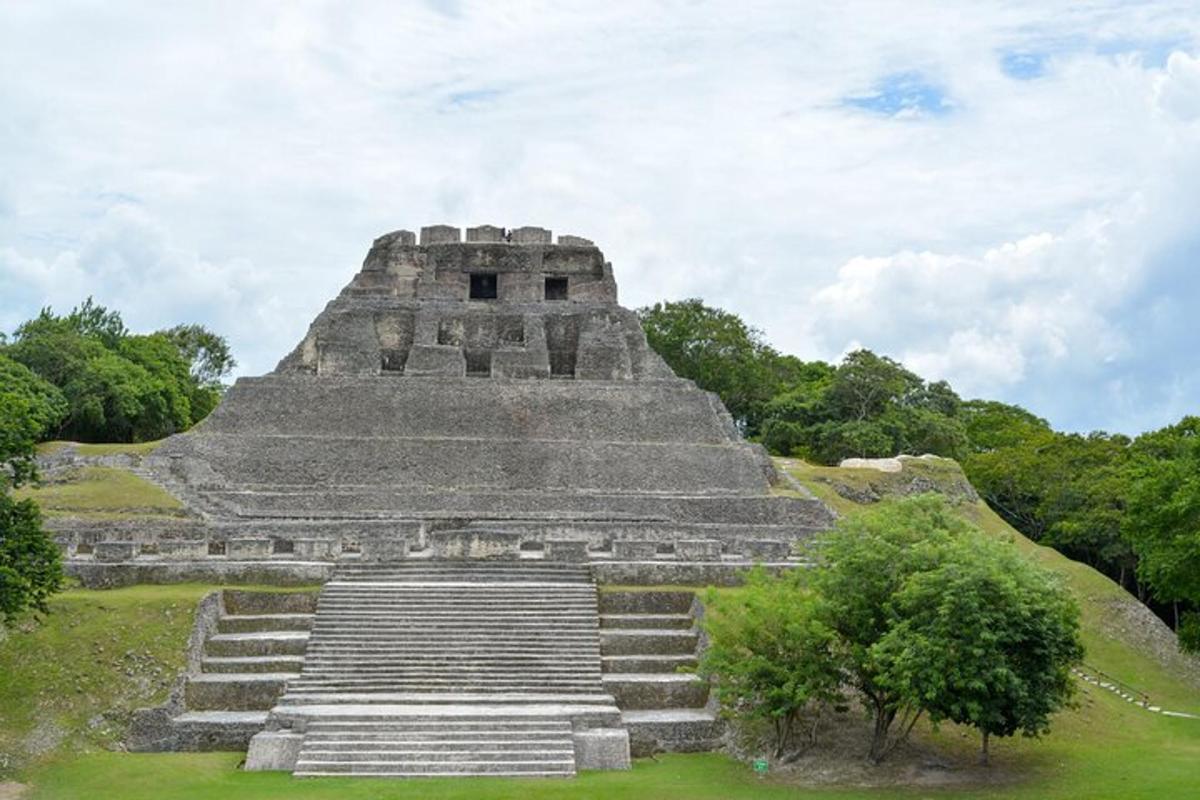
(12,791)
(839,760)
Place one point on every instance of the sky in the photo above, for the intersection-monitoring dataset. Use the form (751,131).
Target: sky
(1001,194)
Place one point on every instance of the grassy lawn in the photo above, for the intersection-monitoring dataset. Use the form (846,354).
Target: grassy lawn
(104,492)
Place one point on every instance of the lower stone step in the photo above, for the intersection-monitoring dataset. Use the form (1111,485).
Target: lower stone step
(676,730)
(257,644)
(615,641)
(256,691)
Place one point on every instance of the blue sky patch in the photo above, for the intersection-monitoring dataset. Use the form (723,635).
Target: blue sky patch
(470,99)
(903,94)
(1023,66)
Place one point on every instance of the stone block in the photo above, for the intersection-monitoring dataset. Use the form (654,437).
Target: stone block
(602,748)
(440,234)
(436,359)
(385,548)
(183,549)
(315,549)
(520,364)
(634,550)
(698,550)
(246,548)
(575,241)
(485,233)
(530,235)
(475,544)
(574,550)
(273,750)
(765,549)
(116,551)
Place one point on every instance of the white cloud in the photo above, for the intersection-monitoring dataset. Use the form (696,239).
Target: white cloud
(229,163)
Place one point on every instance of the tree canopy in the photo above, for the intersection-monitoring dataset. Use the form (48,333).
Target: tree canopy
(118,386)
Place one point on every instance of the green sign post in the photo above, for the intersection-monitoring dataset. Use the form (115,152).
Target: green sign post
(761,767)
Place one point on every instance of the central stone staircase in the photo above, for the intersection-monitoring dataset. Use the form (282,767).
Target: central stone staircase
(450,668)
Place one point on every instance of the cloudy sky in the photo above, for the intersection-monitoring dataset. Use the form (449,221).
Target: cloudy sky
(1003,194)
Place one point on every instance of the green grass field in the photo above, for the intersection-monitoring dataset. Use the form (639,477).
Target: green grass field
(67,686)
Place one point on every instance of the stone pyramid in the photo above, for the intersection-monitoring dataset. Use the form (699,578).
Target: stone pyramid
(486,397)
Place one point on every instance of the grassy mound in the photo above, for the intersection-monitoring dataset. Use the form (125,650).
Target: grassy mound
(97,492)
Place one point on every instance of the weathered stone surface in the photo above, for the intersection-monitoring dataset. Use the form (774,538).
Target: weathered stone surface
(633,549)
(878,464)
(485,233)
(385,548)
(602,748)
(273,751)
(530,235)
(698,550)
(440,234)
(116,551)
(315,549)
(183,548)
(248,547)
(570,550)
(475,544)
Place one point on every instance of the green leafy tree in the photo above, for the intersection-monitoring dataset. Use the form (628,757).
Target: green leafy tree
(1162,522)
(120,386)
(30,409)
(770,656)
(721,353)
(863,564)
(985,639)
(30,563)
(991,425)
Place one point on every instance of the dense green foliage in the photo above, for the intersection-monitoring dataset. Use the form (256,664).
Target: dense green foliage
(1162,520)
(111,385)
(1066,490)
(770,656)
(916,610)
(30,562)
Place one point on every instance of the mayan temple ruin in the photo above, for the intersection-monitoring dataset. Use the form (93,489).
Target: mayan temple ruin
(470,443)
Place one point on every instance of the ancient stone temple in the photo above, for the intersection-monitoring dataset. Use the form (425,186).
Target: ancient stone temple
(469,439)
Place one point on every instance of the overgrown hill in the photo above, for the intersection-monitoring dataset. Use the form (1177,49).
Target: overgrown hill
(1124,639)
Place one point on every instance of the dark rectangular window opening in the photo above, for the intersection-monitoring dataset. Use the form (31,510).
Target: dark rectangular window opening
(562,364)
(216,548)
(483,286)
(556,288)
(479,363)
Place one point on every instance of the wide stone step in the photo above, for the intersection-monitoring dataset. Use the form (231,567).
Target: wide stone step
(645,621)
(590,697)
(233,691)
(251,623)
(548,769)
(615,641)
(528,754)
(434,740)
(280,664)
(634,691)
(257,644)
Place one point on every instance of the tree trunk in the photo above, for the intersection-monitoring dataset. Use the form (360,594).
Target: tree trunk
(983,751)
(883,723)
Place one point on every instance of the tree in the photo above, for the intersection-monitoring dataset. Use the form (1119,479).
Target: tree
(30,563)
(985,639)
(862,565)
(770,655)
(1162,522)
(120,386)
(720,352)
(207,353)
(30,408)
(991,425)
